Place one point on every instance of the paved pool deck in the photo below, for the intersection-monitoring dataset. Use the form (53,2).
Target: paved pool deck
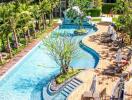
(103,81)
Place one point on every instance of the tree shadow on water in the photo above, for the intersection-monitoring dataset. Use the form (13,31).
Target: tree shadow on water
(24,84)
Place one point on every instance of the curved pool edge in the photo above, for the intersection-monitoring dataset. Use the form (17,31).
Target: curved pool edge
(88,49)
(93,52)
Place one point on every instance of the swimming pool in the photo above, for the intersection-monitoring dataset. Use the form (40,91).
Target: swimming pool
(27,78)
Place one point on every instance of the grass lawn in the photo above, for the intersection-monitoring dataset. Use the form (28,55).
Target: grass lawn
(96,19)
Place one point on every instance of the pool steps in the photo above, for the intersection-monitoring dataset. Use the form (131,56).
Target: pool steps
(70,87)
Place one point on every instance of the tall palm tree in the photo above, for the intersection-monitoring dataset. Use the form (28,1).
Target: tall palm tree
(44,9)
(5,28)
(24,21)
(36,15)
(53,4)
(13,21)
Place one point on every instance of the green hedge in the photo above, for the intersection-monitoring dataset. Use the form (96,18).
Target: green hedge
(106,7)
(93,12)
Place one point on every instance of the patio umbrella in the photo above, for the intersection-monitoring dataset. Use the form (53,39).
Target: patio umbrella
(93,86)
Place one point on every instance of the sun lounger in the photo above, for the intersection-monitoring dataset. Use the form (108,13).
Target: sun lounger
(112,71)
(94,94)
(106,40)
(87,95)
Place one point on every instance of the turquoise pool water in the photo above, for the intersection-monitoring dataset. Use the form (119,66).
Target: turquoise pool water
(26,80)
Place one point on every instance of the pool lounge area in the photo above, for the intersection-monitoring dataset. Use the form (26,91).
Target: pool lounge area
(32,74)
(65,50)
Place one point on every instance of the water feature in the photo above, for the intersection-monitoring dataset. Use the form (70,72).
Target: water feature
(26,80)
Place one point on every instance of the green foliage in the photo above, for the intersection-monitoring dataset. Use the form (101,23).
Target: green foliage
(124,24)
(96,19)
(18,22)
(62,50)
(94,12)
(120,23)
(120,7)
(108,7)
(72,14)
(97,4)
(64,77)
(76,17)
(80,31)
(83,4)
(128,25)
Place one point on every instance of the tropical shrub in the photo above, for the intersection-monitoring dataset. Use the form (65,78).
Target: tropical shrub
(108,7)
(120,7)
(120,26)
(124,22)
(75,15)
(94,12)
(82,4)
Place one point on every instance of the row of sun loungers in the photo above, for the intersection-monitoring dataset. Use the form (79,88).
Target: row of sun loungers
(119,63)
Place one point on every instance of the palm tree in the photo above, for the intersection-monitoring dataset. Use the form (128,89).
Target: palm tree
(24,21)
(44,9)
(5,28)
(13,21)
(36,15)
(53,4)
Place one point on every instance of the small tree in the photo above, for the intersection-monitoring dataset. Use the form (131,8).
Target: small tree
(76,16)
(62,50)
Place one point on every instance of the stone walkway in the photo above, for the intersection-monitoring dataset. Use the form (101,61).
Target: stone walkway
(106,56)
(16,58)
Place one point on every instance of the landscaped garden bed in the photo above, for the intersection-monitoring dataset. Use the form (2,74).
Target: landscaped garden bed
(61,80)
(80,32)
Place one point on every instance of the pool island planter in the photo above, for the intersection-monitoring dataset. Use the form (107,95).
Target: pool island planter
(54,88)
(80,32)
